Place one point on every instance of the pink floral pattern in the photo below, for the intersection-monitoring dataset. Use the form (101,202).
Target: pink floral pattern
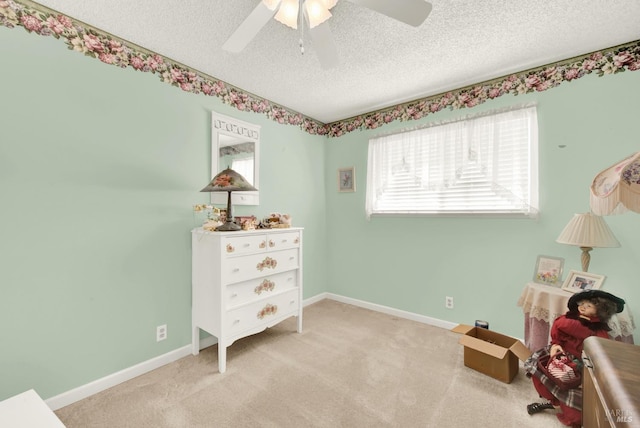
(631,174)
(269,309)
(223,180)
(612,61)
(267,263)
(94,43)
(265,285)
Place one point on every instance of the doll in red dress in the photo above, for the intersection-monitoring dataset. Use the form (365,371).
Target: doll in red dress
(588,314)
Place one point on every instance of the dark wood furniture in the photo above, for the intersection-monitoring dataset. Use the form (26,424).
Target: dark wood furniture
(611,384)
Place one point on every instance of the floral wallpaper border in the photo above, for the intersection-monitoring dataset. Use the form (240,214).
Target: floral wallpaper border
(92,42)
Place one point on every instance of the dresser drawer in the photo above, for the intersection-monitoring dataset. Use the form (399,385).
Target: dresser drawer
(238,245)
(252,290)
(239,269)
(262,312)
(283,241)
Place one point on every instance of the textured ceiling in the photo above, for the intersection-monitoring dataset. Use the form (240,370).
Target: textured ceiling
(382,62)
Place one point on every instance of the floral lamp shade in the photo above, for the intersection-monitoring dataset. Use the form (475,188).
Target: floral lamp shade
(617,189)
(228,181)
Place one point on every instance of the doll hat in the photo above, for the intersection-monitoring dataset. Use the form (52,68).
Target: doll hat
(591,294)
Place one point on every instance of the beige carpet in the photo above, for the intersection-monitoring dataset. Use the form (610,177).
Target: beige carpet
(351,367)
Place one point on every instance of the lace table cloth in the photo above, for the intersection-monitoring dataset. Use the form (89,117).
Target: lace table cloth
(542,304)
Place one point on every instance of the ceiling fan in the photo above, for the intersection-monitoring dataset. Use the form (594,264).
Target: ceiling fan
(314,14)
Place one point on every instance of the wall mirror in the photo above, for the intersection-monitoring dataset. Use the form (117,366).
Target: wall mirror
(235,144)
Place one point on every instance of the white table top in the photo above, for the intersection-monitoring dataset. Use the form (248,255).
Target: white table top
(27,410)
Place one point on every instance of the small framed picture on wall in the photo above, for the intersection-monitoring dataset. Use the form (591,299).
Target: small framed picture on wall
(346,179)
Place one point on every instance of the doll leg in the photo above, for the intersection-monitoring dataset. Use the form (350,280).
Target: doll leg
(569,416)
(543,391)
(534,408)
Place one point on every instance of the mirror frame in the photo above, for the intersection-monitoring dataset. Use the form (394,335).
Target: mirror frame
(247,132)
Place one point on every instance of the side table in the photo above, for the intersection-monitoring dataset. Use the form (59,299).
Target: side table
(542,304)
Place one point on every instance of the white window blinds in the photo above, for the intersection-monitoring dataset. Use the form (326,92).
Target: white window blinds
(483,165)
(244,167)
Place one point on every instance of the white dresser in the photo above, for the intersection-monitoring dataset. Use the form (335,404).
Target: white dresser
(244,282)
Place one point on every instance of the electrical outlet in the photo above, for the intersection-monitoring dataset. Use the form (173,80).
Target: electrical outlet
(161,332)
(448,302)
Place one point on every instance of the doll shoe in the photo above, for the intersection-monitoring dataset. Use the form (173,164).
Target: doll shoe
(538,407)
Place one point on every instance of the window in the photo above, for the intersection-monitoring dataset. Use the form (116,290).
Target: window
(482,165)
(244,167)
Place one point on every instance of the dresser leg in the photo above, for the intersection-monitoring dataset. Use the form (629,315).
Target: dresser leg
(222,357)
(300,323)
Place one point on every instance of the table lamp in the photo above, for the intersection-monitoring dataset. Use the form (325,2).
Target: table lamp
(587,231)
(228,181)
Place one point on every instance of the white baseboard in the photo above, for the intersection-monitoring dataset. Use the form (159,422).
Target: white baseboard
(114,379)
(392,311)
(84,391)
(208,341)
(315,299)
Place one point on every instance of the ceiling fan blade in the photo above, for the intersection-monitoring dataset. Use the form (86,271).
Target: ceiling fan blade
(324,46)
(412,12)
(257,19)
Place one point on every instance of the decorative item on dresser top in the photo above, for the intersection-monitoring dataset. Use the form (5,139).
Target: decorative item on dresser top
(215,217)
(277,221)
(542,304)
(228,181)
(244,282)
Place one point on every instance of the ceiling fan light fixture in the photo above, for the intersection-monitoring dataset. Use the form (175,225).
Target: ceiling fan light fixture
(271,4)
(317,12)
(288,13)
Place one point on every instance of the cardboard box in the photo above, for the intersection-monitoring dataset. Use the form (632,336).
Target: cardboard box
(491,353)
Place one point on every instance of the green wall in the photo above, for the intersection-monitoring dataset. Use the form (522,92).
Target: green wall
(100,166)
(99,170)
(412,263)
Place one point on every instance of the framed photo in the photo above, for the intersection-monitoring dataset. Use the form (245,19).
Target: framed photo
(581,281)
(222,216)
(247,222)
(347,179)
(548,270)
